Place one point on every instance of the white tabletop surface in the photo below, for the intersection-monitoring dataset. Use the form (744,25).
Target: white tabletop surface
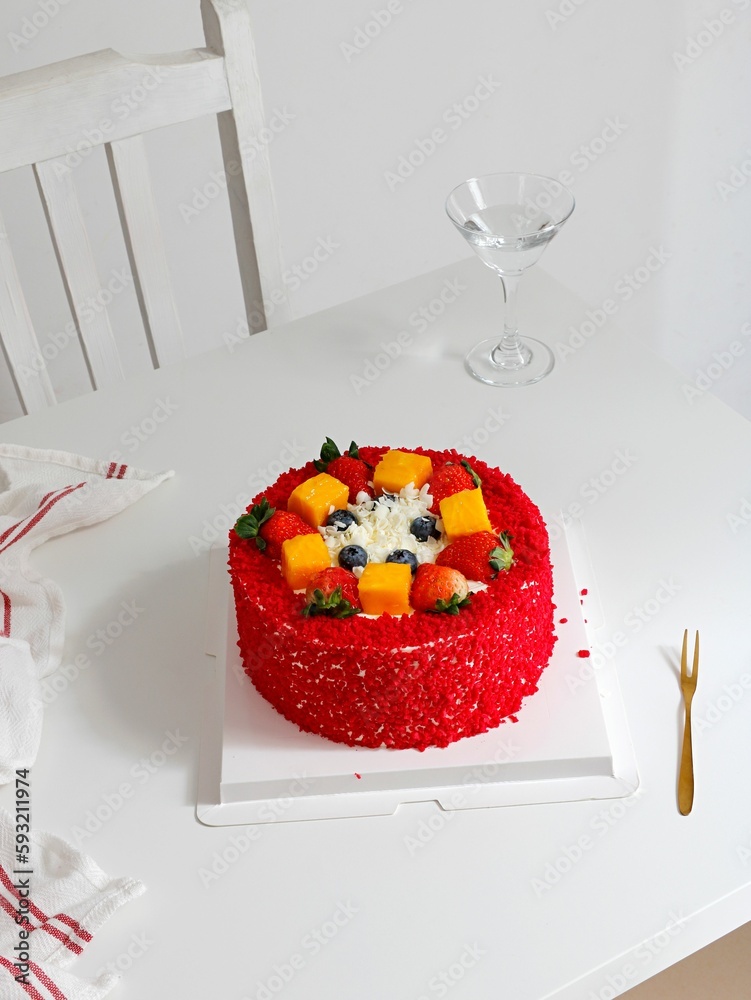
(350,908)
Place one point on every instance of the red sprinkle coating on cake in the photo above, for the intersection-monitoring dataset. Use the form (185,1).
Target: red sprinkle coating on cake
(413,681)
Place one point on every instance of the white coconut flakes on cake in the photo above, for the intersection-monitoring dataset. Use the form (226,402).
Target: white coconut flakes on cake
(384,526)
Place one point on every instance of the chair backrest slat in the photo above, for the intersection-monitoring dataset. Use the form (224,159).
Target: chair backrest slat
(19,343)
(103,97)
(143,239)
(246,155)
(88,304)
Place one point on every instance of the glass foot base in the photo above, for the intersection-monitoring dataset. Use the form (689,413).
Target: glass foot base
(481,365)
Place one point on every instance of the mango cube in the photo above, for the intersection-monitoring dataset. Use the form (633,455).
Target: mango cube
(384,589)
(464,513)
(399,468)
(313,499)
(303,557)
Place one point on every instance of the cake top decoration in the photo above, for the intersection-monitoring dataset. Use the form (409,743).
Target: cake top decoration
(369,508)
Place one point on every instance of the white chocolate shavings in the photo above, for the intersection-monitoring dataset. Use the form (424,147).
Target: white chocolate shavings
(384,526)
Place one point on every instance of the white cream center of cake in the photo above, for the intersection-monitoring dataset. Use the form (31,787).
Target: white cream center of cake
(384,526)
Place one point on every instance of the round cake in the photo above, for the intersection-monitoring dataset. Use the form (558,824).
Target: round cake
(400,653)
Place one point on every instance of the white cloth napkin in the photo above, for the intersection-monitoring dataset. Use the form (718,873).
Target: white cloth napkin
(59,898)
(42,494)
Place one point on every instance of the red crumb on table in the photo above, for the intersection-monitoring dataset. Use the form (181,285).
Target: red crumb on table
(584,592)
(562,621)
(584,653)
(358,776)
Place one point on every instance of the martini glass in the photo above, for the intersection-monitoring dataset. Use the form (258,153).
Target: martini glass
(508,220)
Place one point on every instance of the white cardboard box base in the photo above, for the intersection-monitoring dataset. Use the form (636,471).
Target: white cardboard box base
(570,742)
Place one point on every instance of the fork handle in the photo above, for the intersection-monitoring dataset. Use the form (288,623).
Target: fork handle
(686,774)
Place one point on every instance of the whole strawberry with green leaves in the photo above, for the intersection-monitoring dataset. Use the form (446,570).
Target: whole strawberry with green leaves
(270,528)
(449,479)
(480,556)
(349,468)
(439,589)
(332,592)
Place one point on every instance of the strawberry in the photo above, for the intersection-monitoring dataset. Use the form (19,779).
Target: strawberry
(449,479)
(439,588)
(353,473)
(348,468)
(332,592)
(279,528)
(479,556)
(270,527)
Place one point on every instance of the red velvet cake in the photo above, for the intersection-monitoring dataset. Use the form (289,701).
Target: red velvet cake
(373,645)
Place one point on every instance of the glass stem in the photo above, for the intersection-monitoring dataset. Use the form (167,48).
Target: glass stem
(510,352)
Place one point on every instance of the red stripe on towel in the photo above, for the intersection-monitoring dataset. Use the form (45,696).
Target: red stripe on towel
(38,516)
(6,614)
(45,980)
(13,970)
(44,920)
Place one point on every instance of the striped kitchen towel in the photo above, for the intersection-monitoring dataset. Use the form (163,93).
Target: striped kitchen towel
(53,899)
(42,494)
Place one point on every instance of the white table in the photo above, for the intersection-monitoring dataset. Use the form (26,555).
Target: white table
(341,908)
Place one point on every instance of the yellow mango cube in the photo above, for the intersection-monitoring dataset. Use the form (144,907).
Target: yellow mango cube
(384,589)
(313,499)
(303,557)
(464,513)
(398,469)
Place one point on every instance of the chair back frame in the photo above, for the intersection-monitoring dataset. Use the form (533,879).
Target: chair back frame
(50,116)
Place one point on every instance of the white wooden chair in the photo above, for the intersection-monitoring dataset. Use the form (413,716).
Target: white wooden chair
(44,113)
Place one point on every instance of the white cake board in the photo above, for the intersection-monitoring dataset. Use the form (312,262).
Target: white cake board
(570,742)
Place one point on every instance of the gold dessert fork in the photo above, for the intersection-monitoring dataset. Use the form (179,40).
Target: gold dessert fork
(688,686)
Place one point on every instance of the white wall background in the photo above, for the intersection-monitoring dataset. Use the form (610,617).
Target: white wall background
(647,106)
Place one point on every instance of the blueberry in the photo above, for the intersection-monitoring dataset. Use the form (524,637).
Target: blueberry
(341,519)
(423,528)
(403,556)
(353,555)
(387,497)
